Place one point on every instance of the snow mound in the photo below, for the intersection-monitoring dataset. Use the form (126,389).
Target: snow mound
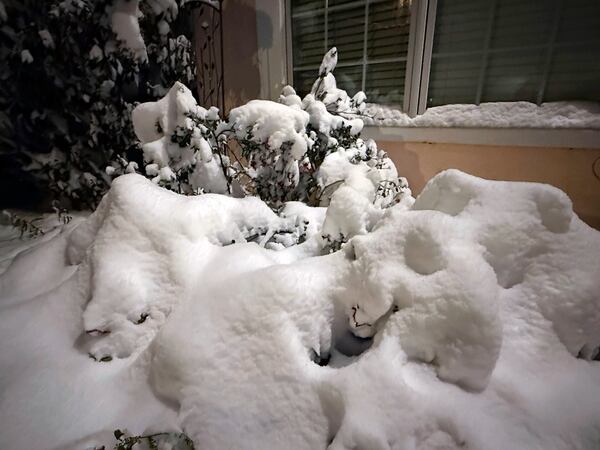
(466,320)
(529,231)
(421,269)
(329,62)
(131,252)
(359,193)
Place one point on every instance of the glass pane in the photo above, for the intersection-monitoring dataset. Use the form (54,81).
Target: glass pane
(340,2)
(575,66)
(575,74)
(346,32)
(513,75)
(510,50)
(383,60)
(387,35)
(385,83)
(303,80)
(349,78)
(308,40)
(453,80)
(460,25)
(517,23)
(300,6)
(580,22)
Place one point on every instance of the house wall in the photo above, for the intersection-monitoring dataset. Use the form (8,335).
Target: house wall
(255,59)
(570,169)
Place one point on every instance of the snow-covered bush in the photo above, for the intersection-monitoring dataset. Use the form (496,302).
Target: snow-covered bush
(71,73)
(180,142)
(291,150)
(306,150)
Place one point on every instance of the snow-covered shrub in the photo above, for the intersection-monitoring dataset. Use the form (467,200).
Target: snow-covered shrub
(72,71)
(291,150)
(273,140)
(180,142)
(306,150)
(332,131)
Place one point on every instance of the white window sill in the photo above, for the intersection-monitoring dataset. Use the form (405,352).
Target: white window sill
(524,137)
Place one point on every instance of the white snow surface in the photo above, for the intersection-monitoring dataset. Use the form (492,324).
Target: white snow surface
(492,115)
(153,120)
(482,300)
(96,53)
(125,22)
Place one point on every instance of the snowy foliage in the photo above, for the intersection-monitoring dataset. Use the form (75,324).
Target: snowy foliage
(72,72)
(154,441)
(178,138)
(465,320)
(293,150)
(306,150)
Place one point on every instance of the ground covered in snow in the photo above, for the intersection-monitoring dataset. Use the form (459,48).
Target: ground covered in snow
(492,115)
(468,319)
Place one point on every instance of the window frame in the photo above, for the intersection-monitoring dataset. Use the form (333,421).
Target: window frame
(420,47)
(418,59)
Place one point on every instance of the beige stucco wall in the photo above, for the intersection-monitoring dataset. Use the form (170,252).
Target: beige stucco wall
(254,47)
(569,169)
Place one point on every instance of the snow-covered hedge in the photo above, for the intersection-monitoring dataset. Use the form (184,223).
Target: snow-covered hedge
(72,71)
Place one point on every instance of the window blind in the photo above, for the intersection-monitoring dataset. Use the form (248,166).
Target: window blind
(510,50)
(371,37)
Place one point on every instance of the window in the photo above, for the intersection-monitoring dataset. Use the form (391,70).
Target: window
(509,50)
(371,37)
(421,53)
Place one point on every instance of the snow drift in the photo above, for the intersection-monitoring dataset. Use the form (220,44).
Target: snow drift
(466,320)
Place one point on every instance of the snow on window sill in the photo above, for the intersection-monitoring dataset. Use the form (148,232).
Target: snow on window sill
(557,124)
(580,115)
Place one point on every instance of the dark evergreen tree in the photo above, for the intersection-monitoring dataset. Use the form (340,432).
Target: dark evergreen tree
(67,88)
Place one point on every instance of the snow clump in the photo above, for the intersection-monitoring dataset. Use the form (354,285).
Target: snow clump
(177,139)
(124,21)
(271,124)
